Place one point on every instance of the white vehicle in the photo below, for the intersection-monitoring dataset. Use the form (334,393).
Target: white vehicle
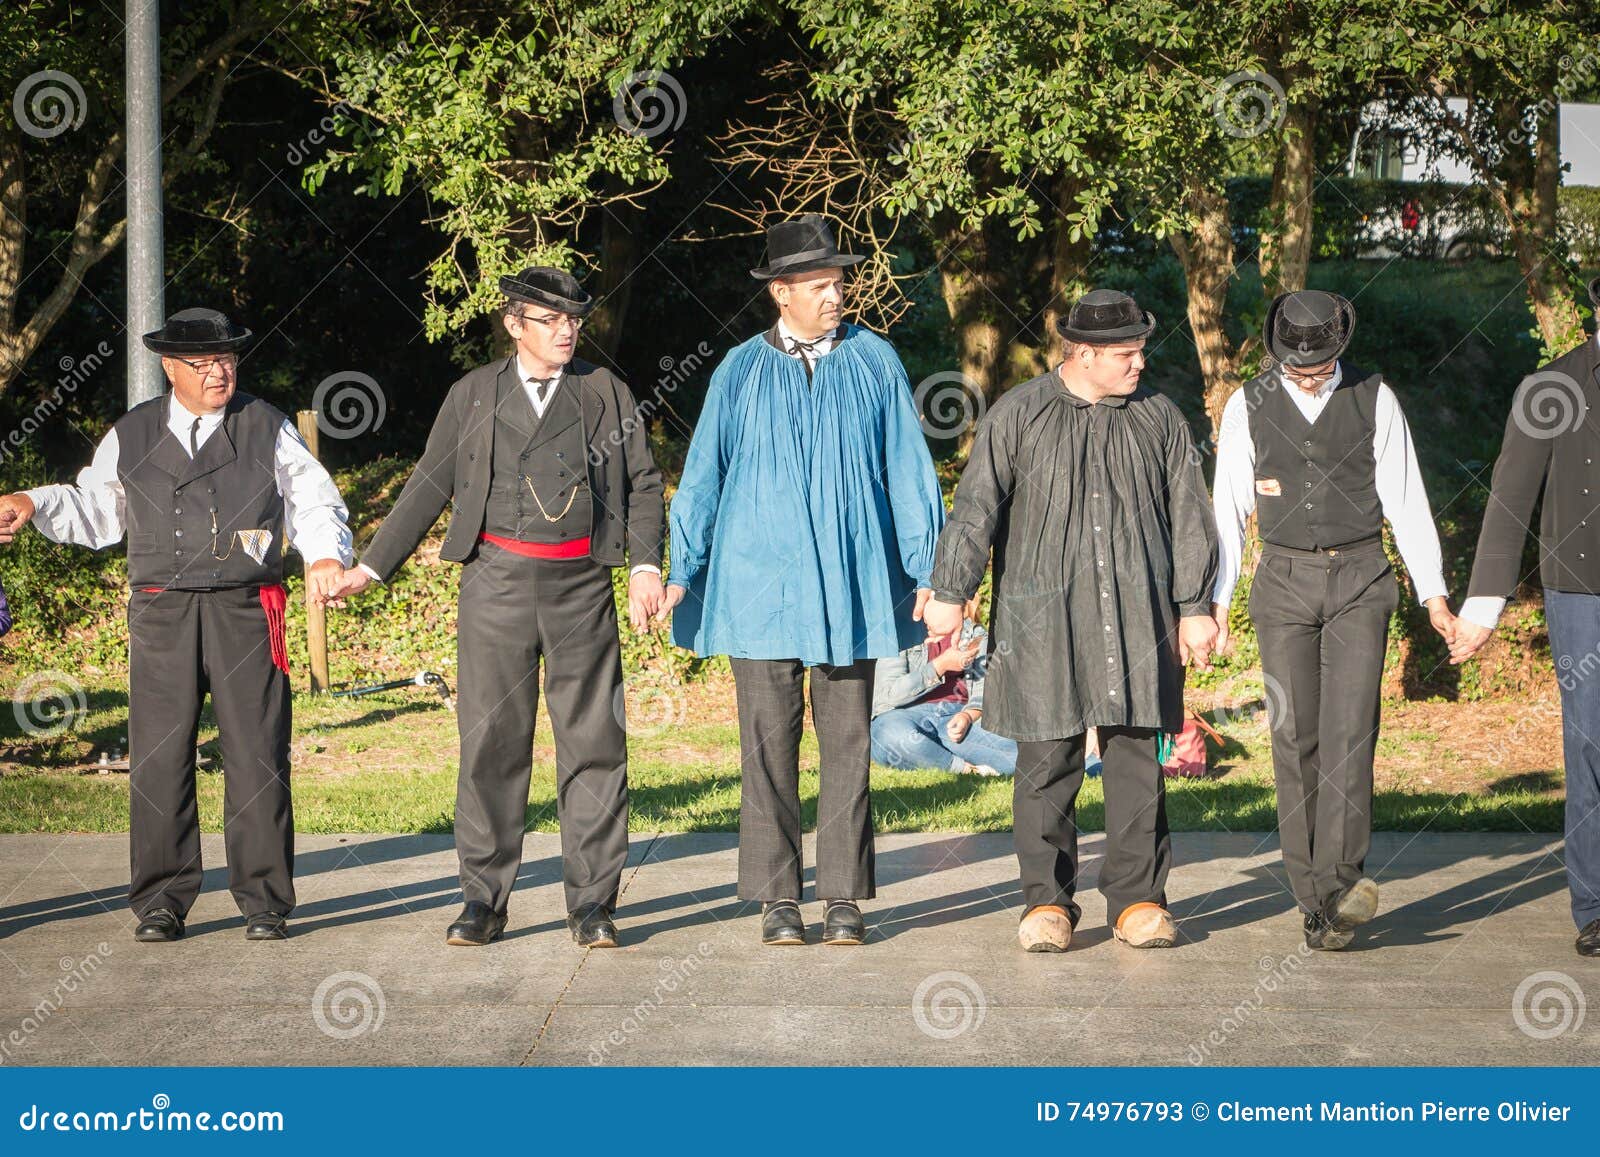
(1404,143)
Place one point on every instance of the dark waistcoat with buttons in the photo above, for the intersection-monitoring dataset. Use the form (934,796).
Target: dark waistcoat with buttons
(1324,473)
(172,499)
(541,457)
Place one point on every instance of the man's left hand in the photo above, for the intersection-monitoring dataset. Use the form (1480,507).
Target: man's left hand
(1197,635)
(646,593)
(321,577)
(960,723)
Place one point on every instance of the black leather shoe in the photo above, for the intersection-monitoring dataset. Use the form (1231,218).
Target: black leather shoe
(1589,939)
(781,923)
(1322,936)
(267,926)
(477,924)
(1354,906)
(591,927)
(159,925)
(842,923)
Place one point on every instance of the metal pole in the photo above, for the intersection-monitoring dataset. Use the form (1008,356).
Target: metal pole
(146,304)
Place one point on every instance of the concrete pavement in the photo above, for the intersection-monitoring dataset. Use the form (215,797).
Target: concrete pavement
(1449,973)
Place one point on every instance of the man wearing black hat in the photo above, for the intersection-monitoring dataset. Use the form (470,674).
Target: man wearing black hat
(1321,452)
(1086,487)
(209,485)
(545,465)
(1552,447)
(802,539)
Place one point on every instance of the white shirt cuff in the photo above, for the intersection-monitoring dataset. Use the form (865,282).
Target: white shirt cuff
(644,566)
(370,572)
(1483,610)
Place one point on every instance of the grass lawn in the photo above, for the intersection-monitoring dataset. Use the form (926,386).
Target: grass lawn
(387,763)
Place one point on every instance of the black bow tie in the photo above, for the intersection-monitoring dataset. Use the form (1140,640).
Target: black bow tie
(796,346)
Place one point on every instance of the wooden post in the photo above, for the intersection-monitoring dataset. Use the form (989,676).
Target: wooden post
(316,617)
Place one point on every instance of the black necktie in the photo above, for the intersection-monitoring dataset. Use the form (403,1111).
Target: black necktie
(544,389)
(194,439)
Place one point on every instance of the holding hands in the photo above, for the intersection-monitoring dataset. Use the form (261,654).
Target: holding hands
(15,511)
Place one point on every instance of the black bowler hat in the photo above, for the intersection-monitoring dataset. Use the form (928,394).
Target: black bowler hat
(551,288)
(800,246)
(197,331)
(1594,293)
(1308,328)
(1105,317)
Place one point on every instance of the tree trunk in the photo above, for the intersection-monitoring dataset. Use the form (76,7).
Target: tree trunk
(1070,260)
(619,251)
(1206,253)
(13,243)
(983,328)
(1286,234)
(1541,254)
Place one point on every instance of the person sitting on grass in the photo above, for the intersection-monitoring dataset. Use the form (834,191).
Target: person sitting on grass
(926,704)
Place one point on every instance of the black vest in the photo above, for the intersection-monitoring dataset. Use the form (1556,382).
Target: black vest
(172,499)
(547,454)
(1316,482)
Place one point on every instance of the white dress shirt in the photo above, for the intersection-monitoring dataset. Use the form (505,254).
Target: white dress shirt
(823,344)
(1399,482)
(539,394)
(92,511)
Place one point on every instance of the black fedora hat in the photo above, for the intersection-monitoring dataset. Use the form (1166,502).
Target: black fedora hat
(197,331)
(552,288)
(800,246)
(1105,317)
(1594,292)
(1308,327)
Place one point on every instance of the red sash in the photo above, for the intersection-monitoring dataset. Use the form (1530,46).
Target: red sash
(572,548)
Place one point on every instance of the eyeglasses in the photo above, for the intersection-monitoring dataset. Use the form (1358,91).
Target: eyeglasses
(205,365)
(1298,375)
(556,321)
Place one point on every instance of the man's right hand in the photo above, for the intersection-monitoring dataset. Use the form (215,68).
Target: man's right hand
(353,581)
(1220,614)
(1468,641)
(942,619)
(15,511)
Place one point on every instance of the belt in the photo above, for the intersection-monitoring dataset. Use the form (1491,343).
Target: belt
(274,603)
(1361,546)
(572,548)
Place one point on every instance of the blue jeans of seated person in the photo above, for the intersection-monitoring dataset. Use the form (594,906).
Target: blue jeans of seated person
(914,737)
(1574,622)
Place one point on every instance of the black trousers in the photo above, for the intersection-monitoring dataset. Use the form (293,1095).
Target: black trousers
(514,611)
(1045,830)
(1322,621)
(183,645)
(771,698)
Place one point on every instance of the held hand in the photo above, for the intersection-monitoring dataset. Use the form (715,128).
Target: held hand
(351,581)
(645,596)
(1443,621)
(15,511)
(674,596)
(923,595)
(1219,614)
(1469,640)
(1197,636)
(957,657)
(960,723)
(942,619)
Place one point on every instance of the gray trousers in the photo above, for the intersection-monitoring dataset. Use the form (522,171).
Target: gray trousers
(1322,621)
(1045,830)
(515,611)
(181,646)
(771,698)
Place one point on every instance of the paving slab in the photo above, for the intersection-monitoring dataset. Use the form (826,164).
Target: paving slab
(1469,962)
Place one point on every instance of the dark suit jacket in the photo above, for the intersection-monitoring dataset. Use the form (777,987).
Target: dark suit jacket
(1552,444)
(629,509)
